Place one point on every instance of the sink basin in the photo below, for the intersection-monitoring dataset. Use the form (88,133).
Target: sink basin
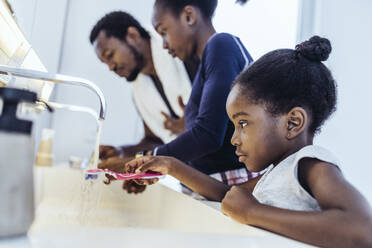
(63,197)
(70,209)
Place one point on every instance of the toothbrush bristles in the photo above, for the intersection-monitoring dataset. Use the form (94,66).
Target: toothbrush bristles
(91,176)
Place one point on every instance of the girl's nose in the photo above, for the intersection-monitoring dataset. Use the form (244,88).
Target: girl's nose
(235,141)
(165,44)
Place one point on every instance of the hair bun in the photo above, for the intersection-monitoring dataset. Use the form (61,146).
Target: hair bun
(315,49)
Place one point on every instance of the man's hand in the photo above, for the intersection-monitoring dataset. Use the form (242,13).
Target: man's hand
(238,203)
(131,186)
(176,126)
(106,152)
(116,164)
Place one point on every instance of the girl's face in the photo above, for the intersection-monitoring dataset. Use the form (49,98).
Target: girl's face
(259,137)
(176,32)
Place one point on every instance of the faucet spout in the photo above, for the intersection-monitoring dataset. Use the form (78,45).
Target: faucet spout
(58,78)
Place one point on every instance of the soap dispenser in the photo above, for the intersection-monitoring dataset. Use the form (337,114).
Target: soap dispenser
(16,164)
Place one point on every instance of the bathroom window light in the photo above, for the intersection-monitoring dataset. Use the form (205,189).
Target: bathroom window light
(17,52)
(43,88)
(11,36)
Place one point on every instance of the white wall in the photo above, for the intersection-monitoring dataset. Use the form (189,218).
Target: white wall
(262,25)
(348,25)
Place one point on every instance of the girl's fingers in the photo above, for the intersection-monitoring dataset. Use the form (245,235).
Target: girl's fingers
(146,181)
(137,162)
(180,102)
(166,116)
(151,165)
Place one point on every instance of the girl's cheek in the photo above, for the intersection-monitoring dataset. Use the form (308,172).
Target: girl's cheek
(244,135)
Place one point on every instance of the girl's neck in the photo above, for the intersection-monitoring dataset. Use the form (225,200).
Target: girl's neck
(205,32)
(295,145)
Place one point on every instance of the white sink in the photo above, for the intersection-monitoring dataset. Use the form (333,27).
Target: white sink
(106,215)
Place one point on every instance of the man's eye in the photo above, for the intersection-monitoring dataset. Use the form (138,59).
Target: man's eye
(109,56)
(242,124)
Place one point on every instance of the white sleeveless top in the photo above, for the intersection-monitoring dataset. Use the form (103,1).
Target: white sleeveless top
(280,186)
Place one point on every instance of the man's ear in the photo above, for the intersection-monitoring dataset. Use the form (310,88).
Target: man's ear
(133,36)
(296,121)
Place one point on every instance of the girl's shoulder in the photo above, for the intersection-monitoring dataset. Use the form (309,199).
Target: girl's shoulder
(221,36)
(222,41)
(226,46)
(281,185)
(316,152)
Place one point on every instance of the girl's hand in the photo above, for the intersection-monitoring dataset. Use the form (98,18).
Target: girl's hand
(238,203)
(117,164)
(145,164)
(176,126)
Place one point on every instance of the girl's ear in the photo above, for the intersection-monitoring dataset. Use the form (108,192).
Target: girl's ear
(189,15)
(296,121)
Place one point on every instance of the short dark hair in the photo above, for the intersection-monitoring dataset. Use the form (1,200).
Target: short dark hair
(286,78)
(116,24)
(207,7)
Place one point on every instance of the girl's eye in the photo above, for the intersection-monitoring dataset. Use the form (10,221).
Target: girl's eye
(163,31)
(242,123)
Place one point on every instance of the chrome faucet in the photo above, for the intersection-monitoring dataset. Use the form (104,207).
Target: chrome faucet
(57,78)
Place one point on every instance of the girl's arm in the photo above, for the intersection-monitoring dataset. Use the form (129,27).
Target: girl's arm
(345,219)
(192,178)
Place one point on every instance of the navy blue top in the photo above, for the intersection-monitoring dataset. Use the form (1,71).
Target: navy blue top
(205,145)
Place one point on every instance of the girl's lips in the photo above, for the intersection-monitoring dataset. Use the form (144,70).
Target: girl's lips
(172,53)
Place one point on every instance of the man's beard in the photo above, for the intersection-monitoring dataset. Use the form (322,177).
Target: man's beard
(139,64)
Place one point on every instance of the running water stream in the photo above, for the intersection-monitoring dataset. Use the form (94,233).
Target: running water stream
(91,190)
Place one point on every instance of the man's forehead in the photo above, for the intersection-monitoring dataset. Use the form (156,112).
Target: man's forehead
(101,41)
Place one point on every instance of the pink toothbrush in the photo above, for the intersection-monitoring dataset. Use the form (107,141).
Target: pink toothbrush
(93,174)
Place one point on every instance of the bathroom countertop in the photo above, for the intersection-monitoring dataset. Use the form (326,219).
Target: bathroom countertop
(140,237)
(69,215)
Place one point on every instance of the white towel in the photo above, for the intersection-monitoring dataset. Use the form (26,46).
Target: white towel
(175,81)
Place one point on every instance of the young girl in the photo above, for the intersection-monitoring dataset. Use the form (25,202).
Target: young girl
(277,106)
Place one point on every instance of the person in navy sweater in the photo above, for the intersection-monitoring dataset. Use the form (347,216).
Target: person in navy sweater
(186,29)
